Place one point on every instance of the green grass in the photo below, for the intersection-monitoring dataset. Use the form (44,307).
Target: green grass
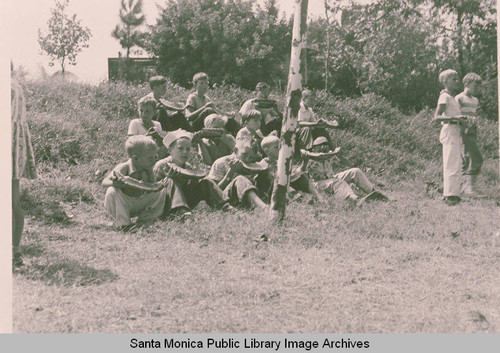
(410,265)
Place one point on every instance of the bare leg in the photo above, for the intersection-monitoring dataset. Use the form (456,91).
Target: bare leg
(255,200)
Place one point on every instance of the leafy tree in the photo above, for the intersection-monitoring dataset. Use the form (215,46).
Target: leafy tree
(131,17)
(66,37)
(227,39)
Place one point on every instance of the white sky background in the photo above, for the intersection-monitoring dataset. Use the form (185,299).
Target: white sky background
(25,17)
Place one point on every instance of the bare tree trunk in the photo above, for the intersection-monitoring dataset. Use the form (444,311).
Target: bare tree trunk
(287,140)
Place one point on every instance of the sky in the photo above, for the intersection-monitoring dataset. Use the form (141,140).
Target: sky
(25,17)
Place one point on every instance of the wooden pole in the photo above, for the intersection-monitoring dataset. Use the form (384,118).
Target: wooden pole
(288,128)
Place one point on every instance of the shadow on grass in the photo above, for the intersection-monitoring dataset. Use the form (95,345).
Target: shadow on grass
(53,270)
(67,273)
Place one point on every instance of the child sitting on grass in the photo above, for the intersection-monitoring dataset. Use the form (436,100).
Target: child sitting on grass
(473,161)
(449,114)
(251,129)
(271,116)
(307,120)
(225,171)
(168,114)
(185,192)
(198,105)
(212,148)
(145,125)
(124,202)
(338,183)
(298,180)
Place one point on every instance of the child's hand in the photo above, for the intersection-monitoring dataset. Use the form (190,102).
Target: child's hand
(197,137)
(174,174)
(235,166)
(117,182)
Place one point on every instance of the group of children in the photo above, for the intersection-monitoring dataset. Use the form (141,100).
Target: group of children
(242,168)
(461,155)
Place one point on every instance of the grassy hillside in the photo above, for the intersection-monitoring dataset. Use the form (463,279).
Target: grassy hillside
(411,265)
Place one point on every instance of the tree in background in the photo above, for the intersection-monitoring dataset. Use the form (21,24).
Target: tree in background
(66,37)
(131,17)
(228,40)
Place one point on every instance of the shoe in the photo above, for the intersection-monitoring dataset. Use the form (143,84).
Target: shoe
(185,216)
(227,208)
(452,200)
(372,196)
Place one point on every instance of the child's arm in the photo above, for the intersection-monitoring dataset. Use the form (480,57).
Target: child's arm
(231,173)
(132,129)
(192,113)
(315,193)
(111,180)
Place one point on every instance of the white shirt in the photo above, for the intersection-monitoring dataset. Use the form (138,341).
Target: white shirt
(137,128)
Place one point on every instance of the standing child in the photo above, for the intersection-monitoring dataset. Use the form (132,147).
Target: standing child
(123,201)
(23,164)
(186,192)
(468,102)
(448,113)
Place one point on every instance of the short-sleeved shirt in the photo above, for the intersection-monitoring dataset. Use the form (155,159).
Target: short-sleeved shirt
(220,168)
(136,127)
(468,105)
(306,114)
(217,150)
(128,169)
(452,107)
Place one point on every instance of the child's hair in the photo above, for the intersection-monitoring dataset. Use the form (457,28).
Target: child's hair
(268,141)
(471,77)
(212,119)
(146,100)
(199,76)
(443,76)
(249,115)
(138,144)
(306,93)
(156,81)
